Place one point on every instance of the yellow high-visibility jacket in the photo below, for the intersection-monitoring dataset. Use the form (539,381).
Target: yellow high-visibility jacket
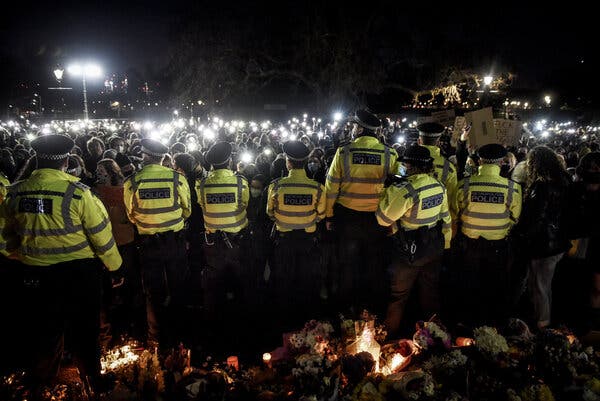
(489,205)
(421,201)
(4,184)
(357,174)
(223,197)
(157,199)
(296,202)
(445,172)
(51,218)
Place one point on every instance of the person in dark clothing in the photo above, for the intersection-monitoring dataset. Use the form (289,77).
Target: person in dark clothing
(542,229)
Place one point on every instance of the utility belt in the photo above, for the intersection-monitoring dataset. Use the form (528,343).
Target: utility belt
(229,239)
(414,244)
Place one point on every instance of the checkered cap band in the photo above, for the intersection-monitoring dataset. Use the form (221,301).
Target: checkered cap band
(51,157)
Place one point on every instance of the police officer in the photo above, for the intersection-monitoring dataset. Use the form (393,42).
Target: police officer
(353,185)
(444,171)
(489,205)
(157,200)
(59,236)
(223,197)
(420,206)
(296,203)
(4,183)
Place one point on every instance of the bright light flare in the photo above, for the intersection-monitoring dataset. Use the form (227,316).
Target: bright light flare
(337,116)
(209,134)
(89,70)
(487,80)
(246,157)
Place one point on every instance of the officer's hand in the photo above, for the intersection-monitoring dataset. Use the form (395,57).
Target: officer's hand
(117,281)
(329,225)
(465,133)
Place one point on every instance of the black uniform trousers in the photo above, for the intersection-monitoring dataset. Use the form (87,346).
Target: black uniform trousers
(421,266)
(296,278)
(164,266)
(360,279)
(43,304)
(479,281)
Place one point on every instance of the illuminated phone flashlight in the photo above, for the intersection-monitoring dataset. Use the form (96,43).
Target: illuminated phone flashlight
(254,128)
(148,125)
(401,139)
(209,134)
(267,152)
(31,137)
(246,157)
(320,135)
(293,137)
(46,130)
(545,134)
(337,116)
(264,125)
(305,116)
(155,135)
(192,146)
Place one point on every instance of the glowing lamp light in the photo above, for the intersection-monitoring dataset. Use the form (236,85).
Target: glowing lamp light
(180,123)
(164,141)
(155,135)
(89,70)
(246,157)
(264,125)
(176,112)
(58,73)
(547,100)
(487,80)
(545,134)
(254,128)
(231,129)
(293,137)
(401,139)
(337,116)
(46,130)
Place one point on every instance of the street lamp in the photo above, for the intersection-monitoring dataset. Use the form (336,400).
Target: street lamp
(547,100)
(487,80)
(58,73)
(86,71)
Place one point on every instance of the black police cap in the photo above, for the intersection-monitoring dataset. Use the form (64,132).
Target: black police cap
(417,154)
(153,147)
(296,150)
(52,147)
(492,153)
(430,129)
(219,153)
(366,119)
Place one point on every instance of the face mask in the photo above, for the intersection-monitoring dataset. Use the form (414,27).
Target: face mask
(255,192)
(313,167)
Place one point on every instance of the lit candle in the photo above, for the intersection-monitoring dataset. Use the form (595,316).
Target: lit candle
(267,359)
(232,361)
(464,341)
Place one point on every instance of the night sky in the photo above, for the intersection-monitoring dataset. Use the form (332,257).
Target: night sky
(547,47)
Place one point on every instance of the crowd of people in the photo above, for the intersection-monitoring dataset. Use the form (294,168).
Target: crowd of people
(183,232)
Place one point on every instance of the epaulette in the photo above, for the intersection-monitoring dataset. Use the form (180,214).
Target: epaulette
(81,185)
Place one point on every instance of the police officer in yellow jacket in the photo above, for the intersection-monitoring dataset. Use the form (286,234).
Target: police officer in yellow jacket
(489,205)
(4,183)
(157,200)
(419,206)
(223,197)
(296,203)
(444,171)
(59,235)
(354,183)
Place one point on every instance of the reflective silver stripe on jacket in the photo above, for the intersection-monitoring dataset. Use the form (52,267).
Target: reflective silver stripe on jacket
(32,251)
(379,213)
(421,222)
(299,226)
(354,195)
(487,216)
(231,225)
(160,225)
(488,228)
(107,247)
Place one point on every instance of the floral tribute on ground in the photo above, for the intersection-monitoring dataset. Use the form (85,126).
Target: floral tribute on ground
(353,361)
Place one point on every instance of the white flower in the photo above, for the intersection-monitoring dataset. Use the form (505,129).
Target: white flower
(489,341)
